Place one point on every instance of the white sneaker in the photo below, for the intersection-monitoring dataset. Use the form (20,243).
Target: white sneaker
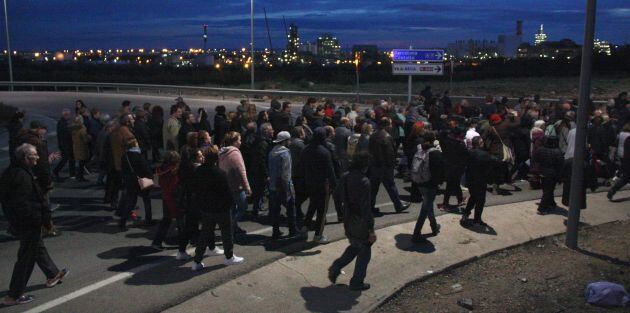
(197,266)
(216,251)
(322,240)
(182,256)
(234,260)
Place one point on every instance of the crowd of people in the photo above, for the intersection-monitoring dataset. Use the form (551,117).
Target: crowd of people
(208,173)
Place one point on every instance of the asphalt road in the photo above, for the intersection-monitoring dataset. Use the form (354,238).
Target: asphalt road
(114,271)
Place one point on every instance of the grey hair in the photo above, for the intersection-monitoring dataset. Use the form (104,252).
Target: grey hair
(23,150)
(265,127)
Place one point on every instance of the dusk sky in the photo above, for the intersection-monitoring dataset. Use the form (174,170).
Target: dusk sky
(85,24)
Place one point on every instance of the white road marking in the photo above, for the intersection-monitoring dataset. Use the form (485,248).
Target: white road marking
(118,277)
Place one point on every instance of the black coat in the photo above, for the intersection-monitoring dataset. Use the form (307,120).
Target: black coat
(381,149)
(143,134)
(42,169)
(183,133)
(133,166)
(25,204)
(479,169)
(295,148)
(156,123)
(436,167)
(317,165)
(211,190)
(257,159)
(221,127)
(550,160)
(355,190)
(64,137)
(455,154)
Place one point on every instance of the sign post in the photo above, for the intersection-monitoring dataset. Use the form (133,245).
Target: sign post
(417,62)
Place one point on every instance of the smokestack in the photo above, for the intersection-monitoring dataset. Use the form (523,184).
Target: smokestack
(519,28)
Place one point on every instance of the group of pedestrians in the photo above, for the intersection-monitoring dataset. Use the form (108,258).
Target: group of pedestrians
(208,173)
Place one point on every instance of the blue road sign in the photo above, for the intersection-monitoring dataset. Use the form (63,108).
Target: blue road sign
(416,55)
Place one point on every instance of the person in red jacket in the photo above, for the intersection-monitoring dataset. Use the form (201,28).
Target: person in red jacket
(168,179)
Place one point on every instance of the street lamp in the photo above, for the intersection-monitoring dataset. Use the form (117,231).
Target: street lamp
(6,23)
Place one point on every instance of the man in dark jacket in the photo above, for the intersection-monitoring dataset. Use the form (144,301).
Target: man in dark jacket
(142,132)
(358,223)
(295,148)
(382,165)
(214,201)
(188,126)
(550,160)
(478,169)
(64,141)
(26,209)
(455,155)
(429,188)
(256,164)
(319,175)
(308,110)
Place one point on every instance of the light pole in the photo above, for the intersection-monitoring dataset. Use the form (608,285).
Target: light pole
(6,23)
(251,44)
(576,202)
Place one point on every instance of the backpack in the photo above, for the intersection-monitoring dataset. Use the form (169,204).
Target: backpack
(420,171)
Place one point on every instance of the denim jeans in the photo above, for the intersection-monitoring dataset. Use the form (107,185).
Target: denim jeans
(428,197)
(360,249)
(240,206)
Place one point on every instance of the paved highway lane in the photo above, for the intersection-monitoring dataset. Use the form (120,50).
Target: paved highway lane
(114,271)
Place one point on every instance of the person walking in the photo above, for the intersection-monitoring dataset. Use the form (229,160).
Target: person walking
(478,169)
(26,209)
(118,141)
(431,175)
(168,178)
(214,199)
(281,190)
(456,156)
(257,167)
(156,127)
(383,161)
(296,146)
(319,175)
(550,161)
(358,223)
(171,129)
(64,142)
(623,151)
(80,146)
(134,166)
(231,162)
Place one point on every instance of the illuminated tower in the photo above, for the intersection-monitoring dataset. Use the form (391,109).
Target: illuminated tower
(540,36)
(292,44)
(205,37)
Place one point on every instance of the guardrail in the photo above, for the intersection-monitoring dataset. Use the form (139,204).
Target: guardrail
(210,91)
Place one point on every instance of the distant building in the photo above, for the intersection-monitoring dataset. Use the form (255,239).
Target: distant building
(328,47)
(563,49)
(601,47)
(540,36)
(368,53)
(293,42)
(308,47)
(508,44)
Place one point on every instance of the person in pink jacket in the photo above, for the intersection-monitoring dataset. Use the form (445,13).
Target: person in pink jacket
(231,161)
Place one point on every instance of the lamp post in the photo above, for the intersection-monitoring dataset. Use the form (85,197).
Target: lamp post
(6,23)
(576,202)
(251,44)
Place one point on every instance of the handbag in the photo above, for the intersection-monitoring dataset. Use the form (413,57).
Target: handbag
(143,182)
(508,156)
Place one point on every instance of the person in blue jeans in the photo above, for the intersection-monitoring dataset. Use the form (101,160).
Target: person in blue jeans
(231,162)
(428,188)
(281,189)
(358,223)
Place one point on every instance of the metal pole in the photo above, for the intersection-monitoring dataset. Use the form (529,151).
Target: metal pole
(6,23)
(577,176)
(409,83)
(251,44)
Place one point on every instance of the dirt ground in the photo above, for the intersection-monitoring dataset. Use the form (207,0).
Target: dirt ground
(541,276)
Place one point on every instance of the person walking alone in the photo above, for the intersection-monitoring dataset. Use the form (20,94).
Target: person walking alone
(27,212)
(358,223)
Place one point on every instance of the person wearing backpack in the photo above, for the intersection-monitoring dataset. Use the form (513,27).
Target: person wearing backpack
(27,211)
(428,173)
(358,223)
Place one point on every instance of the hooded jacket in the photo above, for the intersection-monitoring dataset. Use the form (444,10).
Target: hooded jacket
(80,142)
(231,162)
(280,169)
(317,165)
